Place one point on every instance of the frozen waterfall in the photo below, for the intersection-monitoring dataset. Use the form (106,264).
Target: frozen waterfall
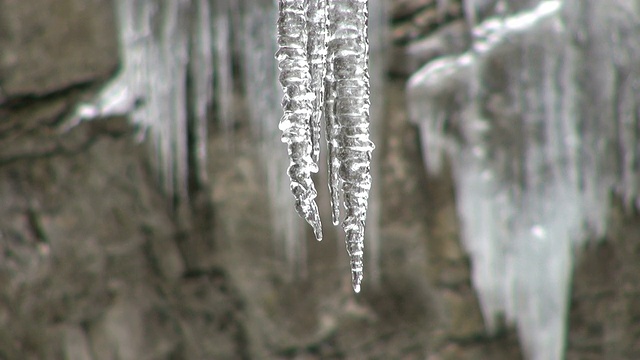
(539,121)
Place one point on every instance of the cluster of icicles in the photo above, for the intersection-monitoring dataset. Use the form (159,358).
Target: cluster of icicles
(322,57)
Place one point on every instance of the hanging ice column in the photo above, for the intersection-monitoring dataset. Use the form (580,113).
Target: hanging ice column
(296,123)
(163,43)
(348,109)
(540,123)
(301,29)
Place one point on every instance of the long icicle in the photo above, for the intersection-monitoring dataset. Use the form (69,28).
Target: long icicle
(317,50)
(333,165)
(297,103)
(348,103)
(323,62)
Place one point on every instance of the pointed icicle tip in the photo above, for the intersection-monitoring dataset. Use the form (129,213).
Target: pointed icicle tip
(317,231)
(356,287)
(356,280)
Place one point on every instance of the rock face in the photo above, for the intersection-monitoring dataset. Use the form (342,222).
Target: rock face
(603,320)
(90,260)
(90,263)
(49,46)
(96,263)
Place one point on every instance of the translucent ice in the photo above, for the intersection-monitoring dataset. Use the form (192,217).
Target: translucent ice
(297,104)
(350,156)
(323,62)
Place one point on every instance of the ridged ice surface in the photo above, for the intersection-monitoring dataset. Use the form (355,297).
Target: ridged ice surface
(540,122)
(297,104)
(348,110)
(317,27)
(177,62)
(323,61)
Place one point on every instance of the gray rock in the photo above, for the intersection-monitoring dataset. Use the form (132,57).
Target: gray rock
(119,335)
(76,345)
(450,39)
(56,44)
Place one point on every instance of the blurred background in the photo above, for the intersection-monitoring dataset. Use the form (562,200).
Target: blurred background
(145,211)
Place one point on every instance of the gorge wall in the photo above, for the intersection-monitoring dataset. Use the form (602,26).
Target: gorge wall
(97,262)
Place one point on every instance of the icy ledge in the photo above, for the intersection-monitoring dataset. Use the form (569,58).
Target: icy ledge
(539,121)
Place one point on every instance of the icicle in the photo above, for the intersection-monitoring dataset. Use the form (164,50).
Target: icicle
(349,114)
(317,50)
(330,126)
(172,50)
(297,103)
(323,61)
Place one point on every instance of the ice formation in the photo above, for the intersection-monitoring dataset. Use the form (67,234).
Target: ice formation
(348,88)
(540,123)
(178,59)
(163,43)
(378,51)
(306,31)
(297,123)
